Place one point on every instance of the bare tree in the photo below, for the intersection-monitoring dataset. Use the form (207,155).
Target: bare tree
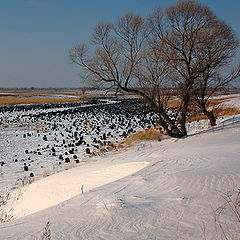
(207,85)
(169,50)
(197,46)
(117,52)
(83,90)
(154,83)
(119,61)
(218,47)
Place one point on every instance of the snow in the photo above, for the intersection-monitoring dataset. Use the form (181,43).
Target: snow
(60,187)
(23,129)
(153,190)
(234,102)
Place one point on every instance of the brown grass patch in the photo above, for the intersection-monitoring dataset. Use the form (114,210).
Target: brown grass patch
(111,146)
(173,103)
(222,112)
(39,92)
(147,134)
(41,127)
(212,102)
(218,112)
(14,97)
(6,101)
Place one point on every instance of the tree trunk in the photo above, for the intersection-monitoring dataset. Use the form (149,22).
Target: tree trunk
(173,132)
(184,115)
(210,116)
(169,126)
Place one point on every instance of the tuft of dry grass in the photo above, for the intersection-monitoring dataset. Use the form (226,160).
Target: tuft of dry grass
(147,134)
(174,103)
(41,127)
(111,146)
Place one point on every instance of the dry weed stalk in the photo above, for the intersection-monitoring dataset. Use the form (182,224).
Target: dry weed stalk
(46,232)
(27,181)
(46,173)
(232,204)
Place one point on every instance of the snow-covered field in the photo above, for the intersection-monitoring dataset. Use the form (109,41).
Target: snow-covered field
(51,138)
(153,190)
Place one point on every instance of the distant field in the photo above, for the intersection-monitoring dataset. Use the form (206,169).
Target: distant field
(49,96)
(15,97)
(6,101)
(42,92)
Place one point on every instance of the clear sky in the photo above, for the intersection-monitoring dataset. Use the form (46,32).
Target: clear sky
(36,35)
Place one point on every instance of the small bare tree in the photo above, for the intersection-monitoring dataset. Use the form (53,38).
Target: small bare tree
(117,52)
(83,90)
(207,85)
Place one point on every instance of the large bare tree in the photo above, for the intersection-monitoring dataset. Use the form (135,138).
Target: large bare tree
(122,59)
(178,48)
(196,45)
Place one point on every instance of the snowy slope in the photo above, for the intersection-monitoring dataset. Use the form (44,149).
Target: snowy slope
(173,197)
(62,186)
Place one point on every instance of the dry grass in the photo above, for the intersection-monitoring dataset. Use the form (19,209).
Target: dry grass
(222,112)
(41,127)
(212,102)
(39,92)
(15,97)
(218,112)
(173,103)
(6,101)
(147,134)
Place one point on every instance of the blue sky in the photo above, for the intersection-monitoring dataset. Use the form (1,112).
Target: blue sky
(36,35)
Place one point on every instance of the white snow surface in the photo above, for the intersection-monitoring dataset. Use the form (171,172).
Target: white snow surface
(60,187)
(154,190)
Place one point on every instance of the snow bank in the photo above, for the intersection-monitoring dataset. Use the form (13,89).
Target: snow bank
(60,187)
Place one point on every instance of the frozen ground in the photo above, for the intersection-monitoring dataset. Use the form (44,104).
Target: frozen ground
(173,197)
